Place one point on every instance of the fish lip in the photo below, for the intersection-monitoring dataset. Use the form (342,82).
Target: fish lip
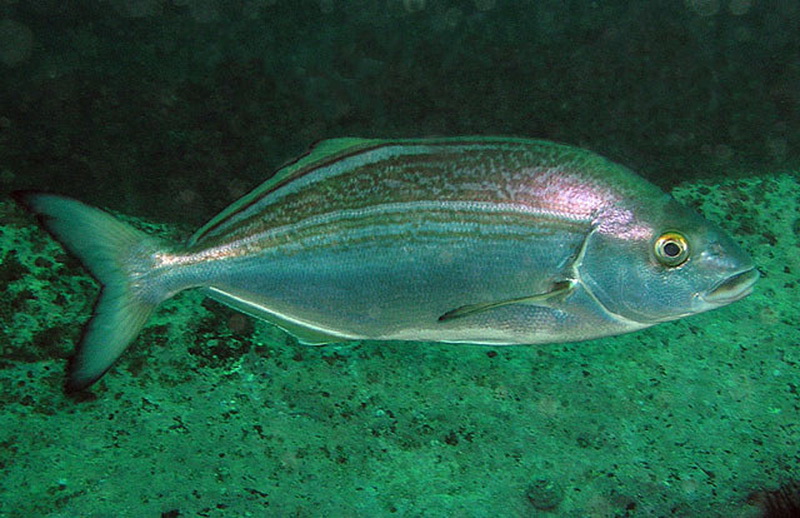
(733,288)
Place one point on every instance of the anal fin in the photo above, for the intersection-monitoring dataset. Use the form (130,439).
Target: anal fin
(306,333)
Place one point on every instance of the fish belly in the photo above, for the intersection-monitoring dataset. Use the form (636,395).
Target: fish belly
(396,288)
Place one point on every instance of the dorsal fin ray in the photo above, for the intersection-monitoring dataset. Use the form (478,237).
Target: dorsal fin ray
(321,151)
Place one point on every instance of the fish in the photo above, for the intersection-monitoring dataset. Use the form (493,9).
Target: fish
(465,240)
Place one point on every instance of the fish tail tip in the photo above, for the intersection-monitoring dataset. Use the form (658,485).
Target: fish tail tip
(30,199)
(21,196)
(76,384)
(118,318)
(27,199)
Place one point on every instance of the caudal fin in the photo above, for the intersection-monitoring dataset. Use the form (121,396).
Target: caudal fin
(108,248)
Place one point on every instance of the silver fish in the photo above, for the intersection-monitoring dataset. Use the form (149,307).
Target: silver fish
(467,240)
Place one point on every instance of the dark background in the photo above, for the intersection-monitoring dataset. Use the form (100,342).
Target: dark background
(171,109)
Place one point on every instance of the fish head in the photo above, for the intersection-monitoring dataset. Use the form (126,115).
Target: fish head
(662,261)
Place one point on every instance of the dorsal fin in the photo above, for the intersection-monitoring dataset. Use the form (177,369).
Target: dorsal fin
(317,152)
(320,151)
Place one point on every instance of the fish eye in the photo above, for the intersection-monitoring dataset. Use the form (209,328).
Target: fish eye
(671,249)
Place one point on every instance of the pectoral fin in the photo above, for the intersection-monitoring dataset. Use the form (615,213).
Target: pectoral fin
(558,291)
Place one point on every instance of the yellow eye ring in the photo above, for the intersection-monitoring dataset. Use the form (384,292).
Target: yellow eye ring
(671,249)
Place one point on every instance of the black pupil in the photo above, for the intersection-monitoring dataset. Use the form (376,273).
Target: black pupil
(671,249)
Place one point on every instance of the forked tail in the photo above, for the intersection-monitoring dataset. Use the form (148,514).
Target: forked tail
(118,256)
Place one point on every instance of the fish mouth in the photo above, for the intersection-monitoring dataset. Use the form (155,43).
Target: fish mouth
(734,288)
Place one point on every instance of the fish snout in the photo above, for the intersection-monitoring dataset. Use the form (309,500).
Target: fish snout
(733,288)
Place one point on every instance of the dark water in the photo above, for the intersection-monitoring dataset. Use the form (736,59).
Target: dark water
(169,110)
